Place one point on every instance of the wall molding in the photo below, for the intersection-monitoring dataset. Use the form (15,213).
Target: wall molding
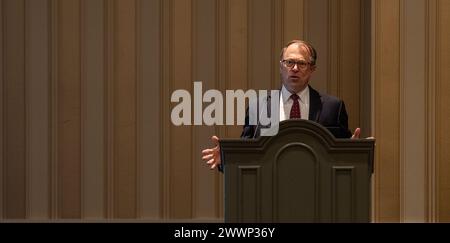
(2,116)
(139,115)
(402,130)
(431,68)
(83,108)
(54,110)
(223,68)
(167,61)
(27,93)
(109,108)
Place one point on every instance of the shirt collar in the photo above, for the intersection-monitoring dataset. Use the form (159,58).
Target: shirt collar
(302,94)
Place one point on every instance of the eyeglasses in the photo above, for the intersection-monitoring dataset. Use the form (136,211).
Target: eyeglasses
(291,63)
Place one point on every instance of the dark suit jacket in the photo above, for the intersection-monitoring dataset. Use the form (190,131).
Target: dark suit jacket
(326,110)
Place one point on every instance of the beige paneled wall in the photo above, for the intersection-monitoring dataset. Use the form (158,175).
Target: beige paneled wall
(86,85)
(387,109)
(410,112)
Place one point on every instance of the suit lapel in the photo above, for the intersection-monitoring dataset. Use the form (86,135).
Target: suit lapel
(269,97)
(315,105)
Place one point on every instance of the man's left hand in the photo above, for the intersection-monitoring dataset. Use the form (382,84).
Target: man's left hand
(356,133)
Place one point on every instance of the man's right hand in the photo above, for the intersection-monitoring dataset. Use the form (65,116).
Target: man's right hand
(212,156)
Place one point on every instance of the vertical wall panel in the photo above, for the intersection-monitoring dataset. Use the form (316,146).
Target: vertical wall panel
(238,72)
(109,106)
(443,110)
(293,22)
(277,37)
(166,43)
(387,93)
(181,137)
(69,109)
(260,51)
(54,205)
(413,114)
(365,94)
(205,53)
(2,117)
(333,47)
(14,127)
(93,109)
(319,36)
(350,61)
(431,99)
(150,80)
(37,74)
(139,114)
(125,109)
(223,65)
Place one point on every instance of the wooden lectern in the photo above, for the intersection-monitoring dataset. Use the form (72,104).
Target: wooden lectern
(303,174)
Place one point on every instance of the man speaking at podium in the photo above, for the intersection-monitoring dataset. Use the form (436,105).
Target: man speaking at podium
(298,100)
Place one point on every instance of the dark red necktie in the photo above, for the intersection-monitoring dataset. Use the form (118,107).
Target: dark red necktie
(295,110)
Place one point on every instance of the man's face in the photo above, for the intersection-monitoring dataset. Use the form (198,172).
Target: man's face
(296,78)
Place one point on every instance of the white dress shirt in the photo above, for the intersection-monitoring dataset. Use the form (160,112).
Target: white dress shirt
(286,103)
